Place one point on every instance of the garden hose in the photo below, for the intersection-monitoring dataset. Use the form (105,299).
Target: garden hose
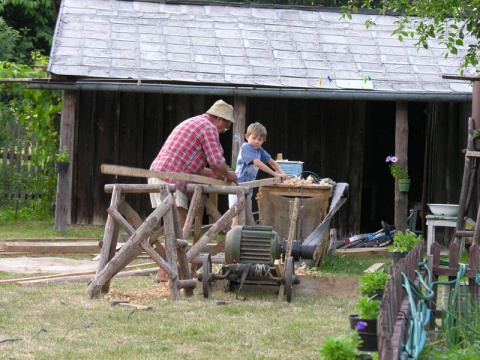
(420,312)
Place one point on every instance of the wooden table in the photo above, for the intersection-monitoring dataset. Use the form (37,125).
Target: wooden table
(275,204)
(434,221)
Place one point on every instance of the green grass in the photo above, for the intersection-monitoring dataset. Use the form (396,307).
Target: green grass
(60,321)
(45,229)
(75,327)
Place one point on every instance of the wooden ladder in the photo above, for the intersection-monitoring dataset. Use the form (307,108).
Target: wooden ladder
(468,184)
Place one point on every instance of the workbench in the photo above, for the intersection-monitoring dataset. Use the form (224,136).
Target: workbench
(275,204)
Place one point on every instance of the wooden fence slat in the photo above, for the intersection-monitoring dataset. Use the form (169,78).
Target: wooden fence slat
(17,164)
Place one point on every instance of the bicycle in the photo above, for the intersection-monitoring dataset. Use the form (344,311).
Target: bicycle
(380,238)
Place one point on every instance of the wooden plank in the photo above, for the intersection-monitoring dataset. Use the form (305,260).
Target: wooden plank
(51,248)
(363,253)
(137,172)
(46,277)
(86,278)
(472,153)
(283,190)
(374,267)
(52,239)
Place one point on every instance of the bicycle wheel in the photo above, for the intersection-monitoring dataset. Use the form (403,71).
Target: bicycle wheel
(353,241)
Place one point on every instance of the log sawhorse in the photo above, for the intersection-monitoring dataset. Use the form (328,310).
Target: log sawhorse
(172,258)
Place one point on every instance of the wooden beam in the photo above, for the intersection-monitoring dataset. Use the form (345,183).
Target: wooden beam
(64,181)
(401,152)
(137,172)
(363,253)
(239,114)
(51,247)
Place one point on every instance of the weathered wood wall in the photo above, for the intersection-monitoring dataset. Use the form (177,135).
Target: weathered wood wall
(346,141)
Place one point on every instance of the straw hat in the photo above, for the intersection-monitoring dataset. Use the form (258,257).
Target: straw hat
(222,109)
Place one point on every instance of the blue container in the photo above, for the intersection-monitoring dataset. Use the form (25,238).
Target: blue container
(291,168)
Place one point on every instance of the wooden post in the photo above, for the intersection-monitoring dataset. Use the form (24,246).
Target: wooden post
(64,181)
(476,107)
(240,109)
(216,228)
(357,145)
(291,233)
(110,236)
(401,152)
(170,244)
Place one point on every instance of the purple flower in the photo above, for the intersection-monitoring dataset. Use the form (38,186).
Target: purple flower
(361,325)
(391,158)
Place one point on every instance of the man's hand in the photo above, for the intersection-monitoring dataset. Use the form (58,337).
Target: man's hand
(231,176)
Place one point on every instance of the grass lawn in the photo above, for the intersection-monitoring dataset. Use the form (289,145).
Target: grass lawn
(60,321)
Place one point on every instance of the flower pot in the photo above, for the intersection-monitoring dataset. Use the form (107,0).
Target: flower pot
(367,330)
(364,356)
(61,167)
(397,256)
(404,185)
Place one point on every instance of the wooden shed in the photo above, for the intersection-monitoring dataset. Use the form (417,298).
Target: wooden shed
(331,93)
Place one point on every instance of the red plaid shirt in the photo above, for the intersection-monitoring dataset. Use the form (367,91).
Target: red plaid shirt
(192,145)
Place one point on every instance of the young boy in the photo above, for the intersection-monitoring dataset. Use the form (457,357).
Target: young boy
(252,157)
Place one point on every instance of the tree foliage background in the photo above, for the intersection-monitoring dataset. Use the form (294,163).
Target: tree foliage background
(26,29)
(449,21)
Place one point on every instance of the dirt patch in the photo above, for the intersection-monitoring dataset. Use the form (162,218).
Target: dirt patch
(46,265)
(309,285)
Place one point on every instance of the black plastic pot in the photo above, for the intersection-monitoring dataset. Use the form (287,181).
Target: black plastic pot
(367,332)
(397,256)
(61,167)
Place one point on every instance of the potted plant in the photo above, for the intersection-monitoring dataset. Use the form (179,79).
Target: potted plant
(373,284)
(403,243)
(399,173)
(342,347)
(62,160)
(365,322)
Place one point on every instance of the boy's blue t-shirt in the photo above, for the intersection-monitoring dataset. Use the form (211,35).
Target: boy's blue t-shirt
(246,170)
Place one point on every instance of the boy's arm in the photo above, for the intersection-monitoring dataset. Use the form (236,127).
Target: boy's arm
(278,168)
(266,169)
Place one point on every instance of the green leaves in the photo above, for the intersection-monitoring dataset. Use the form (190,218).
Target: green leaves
(37,113)
(368,308)
(373,282)
(341,347)
(427,19)
(404,241)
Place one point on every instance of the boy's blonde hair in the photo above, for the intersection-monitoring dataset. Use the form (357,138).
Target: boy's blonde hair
(257,128)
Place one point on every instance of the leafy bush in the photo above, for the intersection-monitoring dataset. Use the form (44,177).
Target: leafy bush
(368,308)
(36,111)
(405,241)
(372,282)
(341,347)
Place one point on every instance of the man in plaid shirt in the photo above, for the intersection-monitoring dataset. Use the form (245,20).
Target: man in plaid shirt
(191,146)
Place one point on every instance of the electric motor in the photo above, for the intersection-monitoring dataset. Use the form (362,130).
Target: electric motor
(252,245)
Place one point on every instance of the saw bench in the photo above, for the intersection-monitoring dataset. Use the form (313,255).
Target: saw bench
(173,258)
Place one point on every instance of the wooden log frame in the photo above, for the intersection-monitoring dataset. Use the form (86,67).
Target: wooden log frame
(134,246)
(172,257)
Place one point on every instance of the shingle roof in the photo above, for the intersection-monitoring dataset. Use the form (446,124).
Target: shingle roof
(240,45)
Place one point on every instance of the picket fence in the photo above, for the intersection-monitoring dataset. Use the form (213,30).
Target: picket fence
(16,167)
